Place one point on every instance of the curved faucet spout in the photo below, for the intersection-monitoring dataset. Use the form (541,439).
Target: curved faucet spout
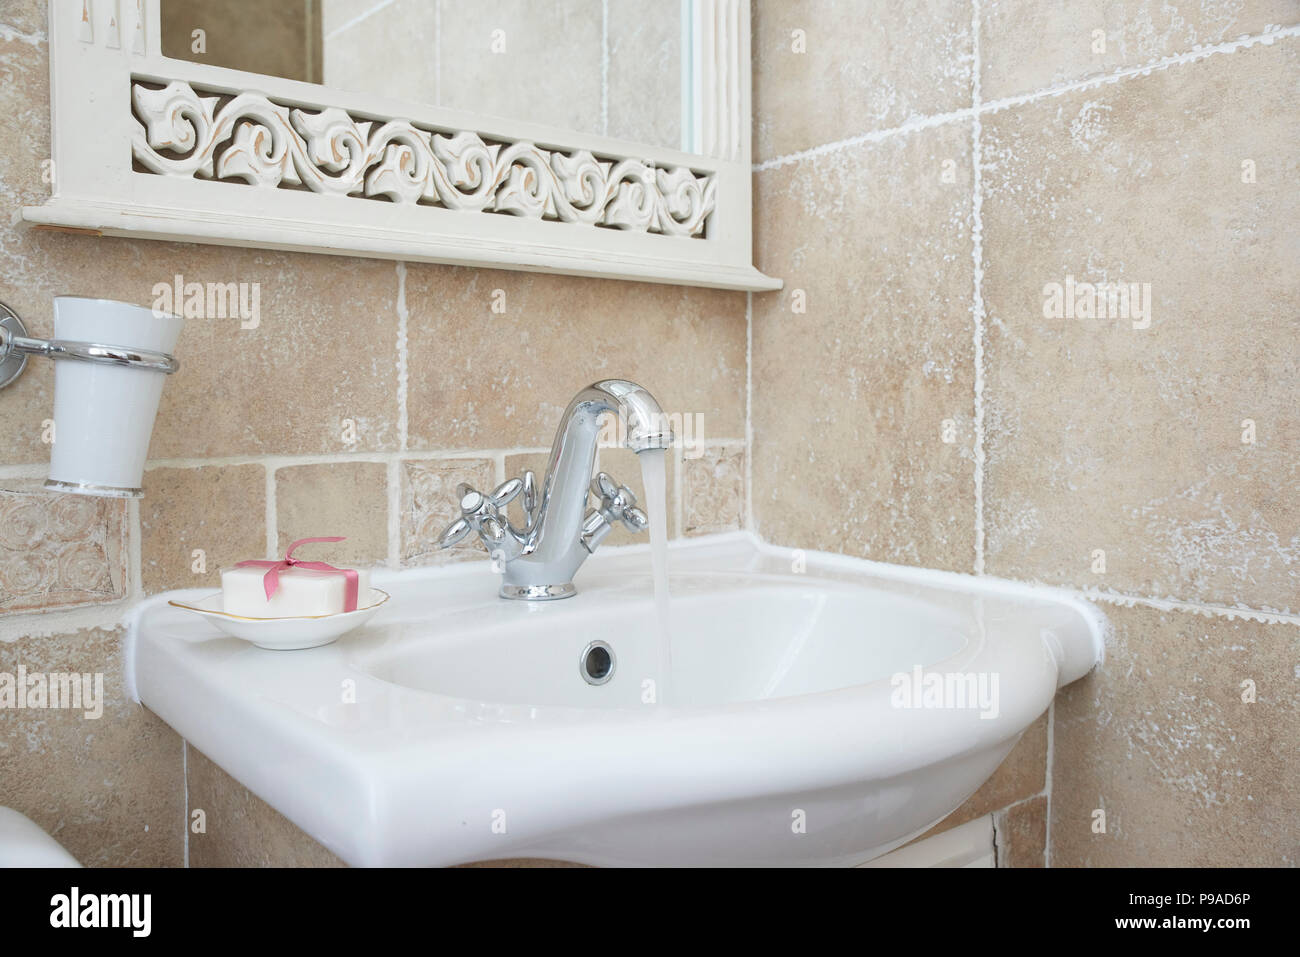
(541,558)
(554,547)
(644,421)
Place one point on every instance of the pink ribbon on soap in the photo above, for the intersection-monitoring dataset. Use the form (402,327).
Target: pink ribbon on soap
(271,580)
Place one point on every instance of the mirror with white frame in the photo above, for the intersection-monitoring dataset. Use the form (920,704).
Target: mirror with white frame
(586,137)
(610,67)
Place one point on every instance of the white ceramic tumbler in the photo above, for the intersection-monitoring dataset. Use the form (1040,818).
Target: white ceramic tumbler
(104,414)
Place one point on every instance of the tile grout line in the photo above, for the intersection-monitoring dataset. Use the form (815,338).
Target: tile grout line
(1020,99)
(287,461)
(1125,73)
(394,466)
(271,520)
(394,500)
(47,623)
(38,470)
(873,136)
(10,33)
(403,359)
(359,18)
(134,552)
(977,285)
(1020,802)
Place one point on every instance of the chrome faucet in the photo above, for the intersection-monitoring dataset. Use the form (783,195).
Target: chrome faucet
(538,560)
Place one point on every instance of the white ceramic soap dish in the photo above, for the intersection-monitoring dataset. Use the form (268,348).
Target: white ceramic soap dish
(286,634)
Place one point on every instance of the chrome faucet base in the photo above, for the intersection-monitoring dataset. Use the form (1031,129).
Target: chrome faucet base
(538,592)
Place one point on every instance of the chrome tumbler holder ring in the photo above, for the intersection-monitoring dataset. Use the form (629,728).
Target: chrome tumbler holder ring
(15,347)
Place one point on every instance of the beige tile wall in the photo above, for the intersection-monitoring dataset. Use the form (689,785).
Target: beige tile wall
(908,405)
(110,788)
(829,70)
(1031,45)
(1133,443)
(866,354)
(916,218)
(366,392)
(1165,740)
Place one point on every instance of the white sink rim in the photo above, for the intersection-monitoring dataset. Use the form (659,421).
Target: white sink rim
(286,747)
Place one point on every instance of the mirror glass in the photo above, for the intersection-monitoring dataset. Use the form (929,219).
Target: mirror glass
(609,67)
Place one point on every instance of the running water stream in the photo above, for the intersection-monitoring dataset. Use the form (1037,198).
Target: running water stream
(654,477)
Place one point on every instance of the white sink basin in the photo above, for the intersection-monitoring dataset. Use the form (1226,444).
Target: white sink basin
(459,727)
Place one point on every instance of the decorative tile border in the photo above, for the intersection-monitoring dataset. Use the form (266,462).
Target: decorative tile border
(60,551)
(428,503)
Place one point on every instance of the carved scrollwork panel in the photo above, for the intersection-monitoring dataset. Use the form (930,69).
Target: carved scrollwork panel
(180,131)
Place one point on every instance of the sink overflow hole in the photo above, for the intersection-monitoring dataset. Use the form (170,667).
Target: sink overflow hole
(596,663)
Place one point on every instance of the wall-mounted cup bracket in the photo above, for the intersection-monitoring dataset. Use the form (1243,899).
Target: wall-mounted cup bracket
(12,362)
(16,346)
(106,398)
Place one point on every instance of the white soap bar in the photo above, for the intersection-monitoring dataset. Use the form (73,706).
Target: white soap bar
(303,592)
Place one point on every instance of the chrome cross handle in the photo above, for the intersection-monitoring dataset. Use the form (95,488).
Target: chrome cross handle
(617,504)
(484,514)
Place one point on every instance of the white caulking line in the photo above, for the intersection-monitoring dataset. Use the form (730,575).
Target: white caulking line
(358,18)
(977,287)
(993,106)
